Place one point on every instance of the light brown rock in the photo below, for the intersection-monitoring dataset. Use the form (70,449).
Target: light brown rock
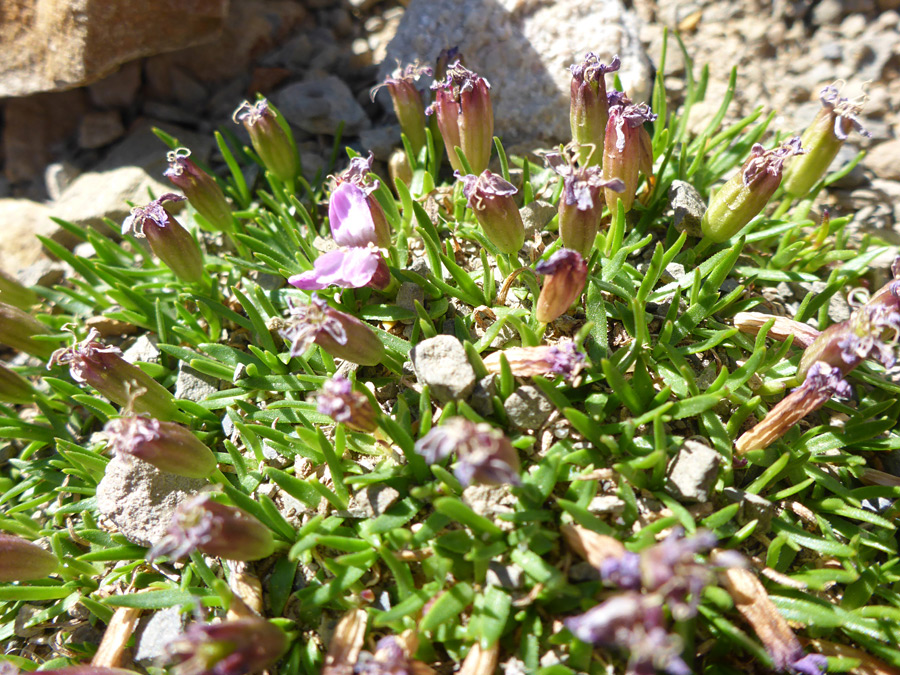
(51,45)
(20,221)
(100,128)
(884,160)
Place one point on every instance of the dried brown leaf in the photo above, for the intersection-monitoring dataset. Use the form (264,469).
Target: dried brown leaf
(481,661)
(593,547)
(346,644)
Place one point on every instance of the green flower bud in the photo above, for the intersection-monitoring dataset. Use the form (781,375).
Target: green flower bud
(247,645)
(589,109)
(13,387)
(491,198)
(627,150)
(462,105)
(15,294)
(268,138)
(201,190)
(408,105)
(20,560)
(18,330)
(168,446)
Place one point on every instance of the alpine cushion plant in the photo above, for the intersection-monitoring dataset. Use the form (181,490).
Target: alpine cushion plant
(588,354)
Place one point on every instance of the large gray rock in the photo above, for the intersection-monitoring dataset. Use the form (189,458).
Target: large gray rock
(442,364)
(524,50)
(140,499)
(320,104)
(528,408)
(692,472)
(49,45)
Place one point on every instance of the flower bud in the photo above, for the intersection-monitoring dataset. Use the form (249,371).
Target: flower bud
(221,531)
(339,334)
(408,105)
(338,400)
(491,198)
(627,151)
(822,141)
(15,294)
(483,454)
(559,359)
(103,367)
(565,275)
(345,268)
(580,205)
(750,323)
(18,330)
(589,110)
(171,243)
(247,645)
(354,214)
(462,104)
(88,670)
(13,387)
(20,560)
(201,189)
(277,152)
(168,446)
(747,192)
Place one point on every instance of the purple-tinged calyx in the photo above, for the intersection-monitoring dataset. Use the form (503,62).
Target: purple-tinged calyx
(408,104)
(21,560)
(200,188)
(565,274)
(354,214)
(238,647)
(18,330)
(589,107)
(627,151)
(465,116)
(748,191)
(338,333)
(338,400)
(102,367)
(203,524)
(390,658)
(171,243)
(492,200)
(345,268)
(168,446)
(562,358)
(484,454)
(269,139)
(581,204)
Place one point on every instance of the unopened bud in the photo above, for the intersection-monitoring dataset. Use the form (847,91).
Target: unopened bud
(559,359)
(628,151)
(491,199)
(484,454)
(338,333)
(782,328)
(408,105)
(20,560)
(15,294)
(201,190)
(277,152)
(822,141)
(747,192)
(19,329)
(565,275)
(13,387)
(589,110)
(354,214)
(221,531)
(168,446)
(465,117)
(338,400)
(171,243)
(247,645)
(102,367)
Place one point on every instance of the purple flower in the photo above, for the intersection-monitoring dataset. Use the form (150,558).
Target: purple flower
(203,524)
(356,218)
(338,400)
(845,112)
(389,659)
(340,334)
(669,568)
(624,571)
(239,647)
(764,162)
(809,664)
(565,275)
(627,151)
(346,268)
(484,454)
(635,623)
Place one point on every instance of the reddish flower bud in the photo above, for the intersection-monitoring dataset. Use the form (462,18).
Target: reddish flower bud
(484,455)
(627,150)
(491,198)
(167,446)
(15,294)
(13,387)
(339,334)
(589,110)
(338,400)
(203,524)
(20,560)
(171,243)
(565,275)
(822,141)
(580,205)
(18,330)
(747,192)
(268,138)
(238,647)
(408,105)
(87,670)
(103,367)
(201,189)
(462,104)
